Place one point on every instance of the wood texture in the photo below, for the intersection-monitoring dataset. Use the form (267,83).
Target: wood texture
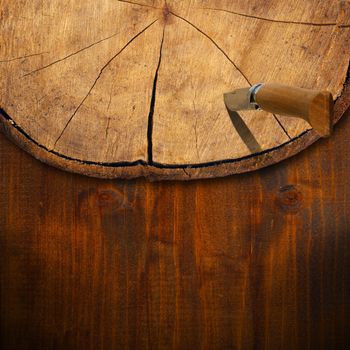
(253,261)
(127,88)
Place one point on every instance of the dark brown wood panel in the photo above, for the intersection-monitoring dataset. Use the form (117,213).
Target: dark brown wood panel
(254,261)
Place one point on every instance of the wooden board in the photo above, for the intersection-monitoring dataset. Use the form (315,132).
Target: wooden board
(252,261)
(128,89)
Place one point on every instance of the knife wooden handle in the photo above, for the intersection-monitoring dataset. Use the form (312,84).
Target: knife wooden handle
(316,107)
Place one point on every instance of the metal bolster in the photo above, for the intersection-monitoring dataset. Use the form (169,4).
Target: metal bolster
(252,96)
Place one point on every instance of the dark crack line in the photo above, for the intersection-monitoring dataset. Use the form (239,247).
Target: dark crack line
(139,162)
(22,57)
(152,105)
(136,3)
(214,42)
(186,172)
(270,19)
(98,77)
(71,55)
(281,125)
(107,129)
(228,58)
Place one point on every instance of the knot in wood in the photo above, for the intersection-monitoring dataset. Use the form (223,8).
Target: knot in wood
(166,13)
(289,199)
(110,199)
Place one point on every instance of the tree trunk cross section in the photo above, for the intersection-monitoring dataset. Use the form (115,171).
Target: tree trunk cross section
(135,88)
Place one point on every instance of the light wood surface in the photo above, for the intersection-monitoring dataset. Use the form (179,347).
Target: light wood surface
(135,88)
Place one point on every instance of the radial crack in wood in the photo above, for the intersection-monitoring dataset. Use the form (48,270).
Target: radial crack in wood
(109,62)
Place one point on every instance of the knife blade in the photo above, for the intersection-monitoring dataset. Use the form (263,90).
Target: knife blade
(313,106)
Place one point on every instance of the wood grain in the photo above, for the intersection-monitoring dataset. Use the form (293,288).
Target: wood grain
(253,261)
(135,88)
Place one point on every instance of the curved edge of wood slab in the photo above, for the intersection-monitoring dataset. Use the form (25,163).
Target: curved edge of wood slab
(169,172)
